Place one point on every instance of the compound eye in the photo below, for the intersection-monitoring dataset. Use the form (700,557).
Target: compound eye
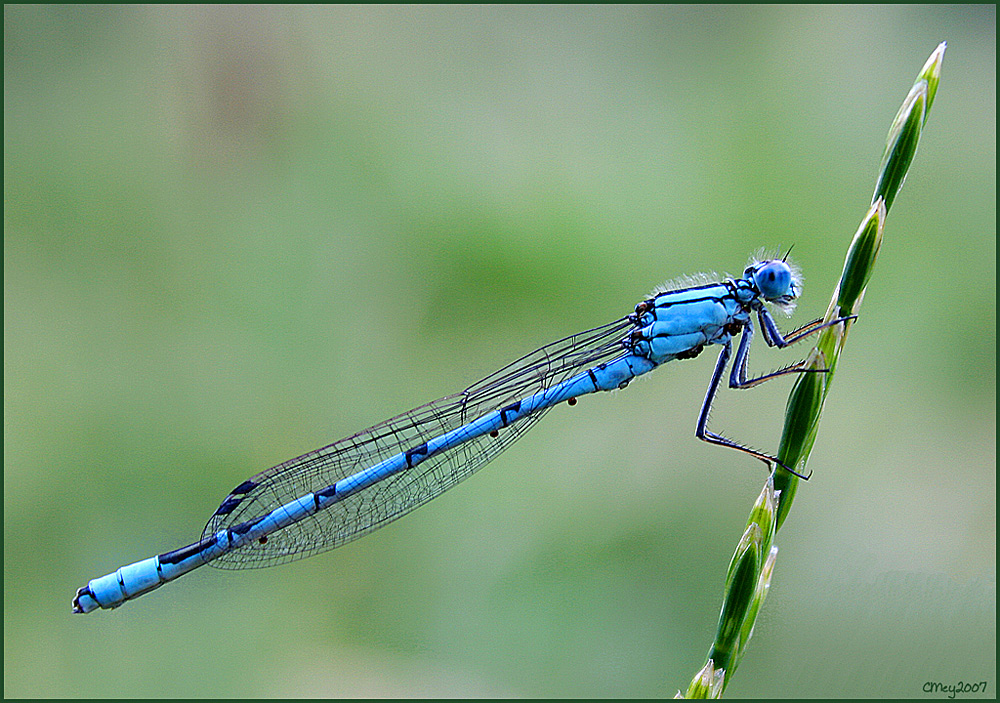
(774,280)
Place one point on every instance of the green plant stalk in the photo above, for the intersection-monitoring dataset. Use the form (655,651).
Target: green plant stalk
(747,583)
(805,402)
(707,683)
(750,570)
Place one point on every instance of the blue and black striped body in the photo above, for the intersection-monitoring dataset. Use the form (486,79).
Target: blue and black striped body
(325,498)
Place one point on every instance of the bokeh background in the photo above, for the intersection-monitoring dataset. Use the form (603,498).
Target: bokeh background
(233,235)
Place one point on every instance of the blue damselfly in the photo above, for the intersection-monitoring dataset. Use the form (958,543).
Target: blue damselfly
(330,496)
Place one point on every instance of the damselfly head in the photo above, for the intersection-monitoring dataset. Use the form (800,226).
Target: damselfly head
(777,280)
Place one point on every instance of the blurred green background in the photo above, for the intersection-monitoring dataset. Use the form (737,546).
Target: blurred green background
(233,235)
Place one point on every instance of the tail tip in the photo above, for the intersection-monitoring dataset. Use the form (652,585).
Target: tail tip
(84,601)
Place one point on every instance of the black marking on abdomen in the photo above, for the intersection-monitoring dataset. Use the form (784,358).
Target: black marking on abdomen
(513,408)
(244,527)
(179,555)
(328,492)
(420,452)
(593,379)
(228,506)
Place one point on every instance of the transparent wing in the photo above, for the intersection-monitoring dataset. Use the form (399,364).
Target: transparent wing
(369,509)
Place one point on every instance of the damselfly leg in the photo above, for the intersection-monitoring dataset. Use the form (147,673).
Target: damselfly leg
(739,381)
